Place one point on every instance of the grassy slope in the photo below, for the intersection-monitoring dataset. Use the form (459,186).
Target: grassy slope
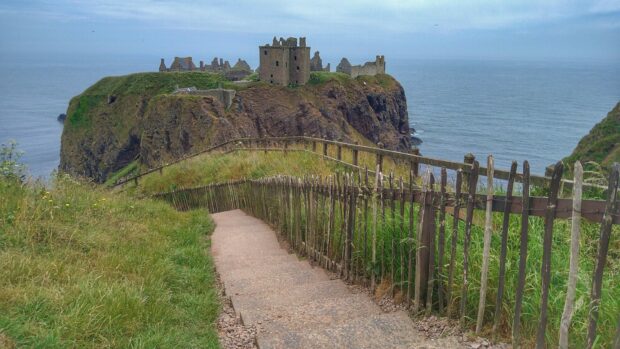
(601,144)
(214,168)
(82,267)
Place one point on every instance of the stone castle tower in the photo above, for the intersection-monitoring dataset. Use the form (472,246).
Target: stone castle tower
(284,62)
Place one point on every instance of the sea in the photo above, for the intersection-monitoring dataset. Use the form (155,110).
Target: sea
(514,110)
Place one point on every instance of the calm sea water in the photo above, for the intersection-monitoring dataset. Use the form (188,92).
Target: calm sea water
(513,110)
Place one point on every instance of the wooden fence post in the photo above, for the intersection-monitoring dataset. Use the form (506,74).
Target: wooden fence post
(504,248)
(339,152)
(569,303)
(324,149)
(611,208)
(355,156)
(442,239)
(380,158)
(471,198)
(314,146)
(469,159)
(455,232)
(546,259)
(423,245)
(415,165)
(486,250)
(525,214)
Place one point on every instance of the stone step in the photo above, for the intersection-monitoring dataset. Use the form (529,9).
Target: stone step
(274,282)
(312,315)
(261,271)
(296,295)
(389,330)
(225,265)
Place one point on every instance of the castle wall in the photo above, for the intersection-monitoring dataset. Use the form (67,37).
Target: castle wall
(300,65)
(284,62)
(274,65)
(368,68)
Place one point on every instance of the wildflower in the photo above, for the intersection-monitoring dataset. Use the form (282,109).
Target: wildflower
(67,205)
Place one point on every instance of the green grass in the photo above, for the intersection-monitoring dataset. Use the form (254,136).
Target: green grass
(219,168)
(317,78)
(601,144)
(85,267)
(213,168)
(132,169)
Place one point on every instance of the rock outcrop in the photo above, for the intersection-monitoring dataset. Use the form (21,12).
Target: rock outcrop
(156,126)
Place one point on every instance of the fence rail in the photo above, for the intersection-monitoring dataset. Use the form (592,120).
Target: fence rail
(413,160)
(386,231)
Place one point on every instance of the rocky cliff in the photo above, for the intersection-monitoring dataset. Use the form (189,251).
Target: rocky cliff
(120,119)
(601,144)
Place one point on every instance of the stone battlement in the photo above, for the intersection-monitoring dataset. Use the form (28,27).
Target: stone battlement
(368,68)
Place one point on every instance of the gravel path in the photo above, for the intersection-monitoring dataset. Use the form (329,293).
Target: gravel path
(274,300)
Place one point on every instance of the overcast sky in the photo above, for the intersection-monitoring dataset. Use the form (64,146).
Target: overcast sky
(438,29)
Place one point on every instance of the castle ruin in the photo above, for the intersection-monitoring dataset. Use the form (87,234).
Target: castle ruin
(316,63)
(239,71)
(225,96)
(369,68)
(284,62)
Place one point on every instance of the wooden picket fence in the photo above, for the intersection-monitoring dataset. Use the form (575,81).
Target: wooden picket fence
(417,236)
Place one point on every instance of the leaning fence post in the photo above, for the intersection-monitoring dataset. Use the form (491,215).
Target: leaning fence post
(546,259)
(378,180)
(567,314)
(471,198)
(525,213)
(486,250)
(611,208)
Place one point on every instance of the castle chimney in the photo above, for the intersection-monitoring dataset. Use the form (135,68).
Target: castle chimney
(302,42)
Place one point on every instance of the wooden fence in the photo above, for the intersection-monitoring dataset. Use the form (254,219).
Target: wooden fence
(443,247)
(354,156)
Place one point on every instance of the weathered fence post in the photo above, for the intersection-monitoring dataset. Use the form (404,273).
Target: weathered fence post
(415,165)
(339,152)
(455,232)
(469,159)
(525,214)
(380,158)
(324,148)
(375,192)
(611,208)
(546,259)
(569,303)
(427,215)
(355,156)
(442,239)
(486,250)
(504,248)
(471,198)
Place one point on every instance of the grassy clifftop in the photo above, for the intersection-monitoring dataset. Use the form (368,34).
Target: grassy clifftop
(83,267)
(124,119)
(602,144)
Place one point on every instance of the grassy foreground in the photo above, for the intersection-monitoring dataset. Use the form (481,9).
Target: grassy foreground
(85,267)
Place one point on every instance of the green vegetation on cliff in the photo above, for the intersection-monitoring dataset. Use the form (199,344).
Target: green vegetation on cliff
(84,267)
(601,144)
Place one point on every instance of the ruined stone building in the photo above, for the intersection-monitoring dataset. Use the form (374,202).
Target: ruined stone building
(284,62)
(316,63)
(179,64)
(218,65)
(369,68)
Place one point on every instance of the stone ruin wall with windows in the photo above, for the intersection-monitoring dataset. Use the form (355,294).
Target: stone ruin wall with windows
(284,62)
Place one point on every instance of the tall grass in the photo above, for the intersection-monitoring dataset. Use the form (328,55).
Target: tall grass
(84,267)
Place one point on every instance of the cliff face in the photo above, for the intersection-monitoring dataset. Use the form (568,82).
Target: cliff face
(120,119)
(601,144)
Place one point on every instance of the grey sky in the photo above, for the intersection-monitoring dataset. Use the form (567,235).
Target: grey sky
(483,29)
